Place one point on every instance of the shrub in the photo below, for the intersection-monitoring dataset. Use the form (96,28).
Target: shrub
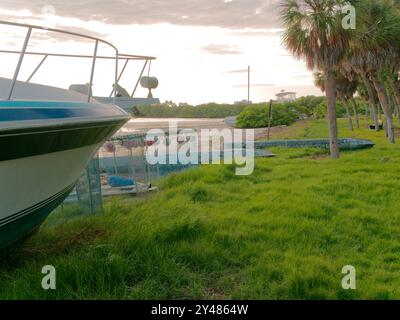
(257,116)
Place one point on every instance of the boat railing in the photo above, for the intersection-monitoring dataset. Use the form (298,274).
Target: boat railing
(94,57)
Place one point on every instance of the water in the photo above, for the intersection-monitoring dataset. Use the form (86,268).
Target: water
(142,125)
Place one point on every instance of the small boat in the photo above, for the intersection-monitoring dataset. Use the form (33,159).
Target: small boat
(47,137)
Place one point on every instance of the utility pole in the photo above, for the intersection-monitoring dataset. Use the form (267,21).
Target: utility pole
(248,85)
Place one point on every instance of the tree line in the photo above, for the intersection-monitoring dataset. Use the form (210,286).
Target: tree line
(363,59)
(209,110)
(309,107)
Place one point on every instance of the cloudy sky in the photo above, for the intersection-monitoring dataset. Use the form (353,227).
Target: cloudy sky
(203,47)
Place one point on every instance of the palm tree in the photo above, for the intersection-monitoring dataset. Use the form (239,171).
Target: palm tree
(394,88)
(393,77)
(362,92)
(349,84)
(357,61)
(392,100)
(344,89)
(375,40)
(384,99)
(354,104)
(314,33)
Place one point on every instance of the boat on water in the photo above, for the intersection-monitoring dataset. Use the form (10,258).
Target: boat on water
(47,137)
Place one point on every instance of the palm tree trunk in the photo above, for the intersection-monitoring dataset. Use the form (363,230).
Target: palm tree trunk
(392,104)
(383,98)
(396,90)
(346,106)
(332,121)
(367,110)
(372,100)
(353,102)
(397,110)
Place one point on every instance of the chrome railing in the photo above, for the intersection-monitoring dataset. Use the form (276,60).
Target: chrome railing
(94,57)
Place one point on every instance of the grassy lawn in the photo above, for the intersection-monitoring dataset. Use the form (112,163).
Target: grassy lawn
(284,232)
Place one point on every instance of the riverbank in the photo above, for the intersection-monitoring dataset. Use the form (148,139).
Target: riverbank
(143,125)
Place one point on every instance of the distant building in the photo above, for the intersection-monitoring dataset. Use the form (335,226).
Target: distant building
(284,96)
(244,102)
(183,104)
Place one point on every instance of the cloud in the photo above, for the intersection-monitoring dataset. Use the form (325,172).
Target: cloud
(259,33)
(57,37)
(235,14)
(255,85)
(221,49)
(11,43)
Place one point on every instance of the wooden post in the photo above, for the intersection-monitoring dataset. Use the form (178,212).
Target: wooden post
(269,119)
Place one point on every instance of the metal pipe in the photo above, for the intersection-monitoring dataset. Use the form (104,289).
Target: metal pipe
(92,72)
(21,58)
(120,56)
(32,26)
(148,71)
(120,76)
(123,56)
(141,74)
(37,68)
(116,78)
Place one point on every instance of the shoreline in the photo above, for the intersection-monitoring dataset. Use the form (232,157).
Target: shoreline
(142,125)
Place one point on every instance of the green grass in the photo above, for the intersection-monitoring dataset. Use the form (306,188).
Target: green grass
(284,232)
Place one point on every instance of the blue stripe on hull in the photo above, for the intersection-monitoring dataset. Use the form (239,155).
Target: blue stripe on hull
(43,114)
(41,110)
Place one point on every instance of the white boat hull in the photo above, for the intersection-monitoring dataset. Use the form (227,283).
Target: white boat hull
(29,181)
(44,148)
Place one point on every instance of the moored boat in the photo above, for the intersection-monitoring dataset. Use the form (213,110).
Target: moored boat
(47,137)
